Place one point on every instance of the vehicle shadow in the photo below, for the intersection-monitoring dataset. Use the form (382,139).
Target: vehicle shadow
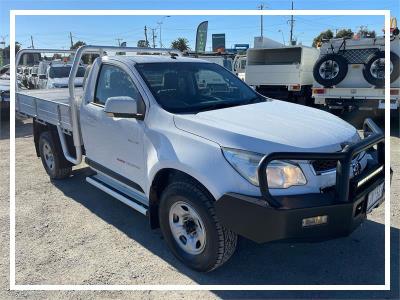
(357,259)
(23,128)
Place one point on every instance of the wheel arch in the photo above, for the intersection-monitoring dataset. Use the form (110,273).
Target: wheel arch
(159,182)
(40,127)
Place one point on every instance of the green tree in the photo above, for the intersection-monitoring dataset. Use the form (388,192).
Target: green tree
(324,35)
(6,50)
(143,44)
(77,45)
(181,44)
(345,33)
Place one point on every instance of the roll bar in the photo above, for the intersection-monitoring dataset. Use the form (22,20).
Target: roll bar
(76,134)
(87,49)
(21,52)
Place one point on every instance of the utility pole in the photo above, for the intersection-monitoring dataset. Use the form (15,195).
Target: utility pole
(153,32)
(145,36)
(72,43)
(261,7)
(291,27)
(159,24)
(32,43)
(119,41)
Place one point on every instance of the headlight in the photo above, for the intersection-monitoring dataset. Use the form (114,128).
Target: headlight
(280,174)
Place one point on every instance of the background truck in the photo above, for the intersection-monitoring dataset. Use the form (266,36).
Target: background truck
(350,74)
(206,164)
(282,72)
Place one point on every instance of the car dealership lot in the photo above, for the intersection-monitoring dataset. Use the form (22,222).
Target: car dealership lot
(68,232)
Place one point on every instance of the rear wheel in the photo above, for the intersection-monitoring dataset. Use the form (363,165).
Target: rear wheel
(52,157)
(191,228)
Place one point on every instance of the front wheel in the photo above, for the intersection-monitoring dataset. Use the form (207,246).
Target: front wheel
(191,228)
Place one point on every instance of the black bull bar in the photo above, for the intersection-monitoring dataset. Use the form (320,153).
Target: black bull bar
(345,186)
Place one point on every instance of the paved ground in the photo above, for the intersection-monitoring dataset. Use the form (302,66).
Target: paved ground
(68,232)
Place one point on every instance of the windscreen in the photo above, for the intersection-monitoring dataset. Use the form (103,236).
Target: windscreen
(186,87)
(63,72)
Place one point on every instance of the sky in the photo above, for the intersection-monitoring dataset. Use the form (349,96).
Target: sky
(53,31)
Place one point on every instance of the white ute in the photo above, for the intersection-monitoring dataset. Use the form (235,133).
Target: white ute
(206,158)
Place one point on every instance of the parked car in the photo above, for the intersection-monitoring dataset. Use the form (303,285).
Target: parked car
(57,76)
(206,164)
(283,72)
(350,74)
(5,92)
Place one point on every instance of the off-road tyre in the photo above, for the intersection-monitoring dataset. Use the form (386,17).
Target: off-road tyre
(380,82)
(60,168)
(342,65)
(220,242)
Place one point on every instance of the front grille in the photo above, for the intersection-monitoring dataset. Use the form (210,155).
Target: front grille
(321,166)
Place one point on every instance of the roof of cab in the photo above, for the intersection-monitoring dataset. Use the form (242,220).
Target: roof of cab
(140,59)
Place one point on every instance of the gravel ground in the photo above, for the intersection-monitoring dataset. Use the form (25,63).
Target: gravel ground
(68,232)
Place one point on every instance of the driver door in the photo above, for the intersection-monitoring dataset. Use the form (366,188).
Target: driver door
(114,145)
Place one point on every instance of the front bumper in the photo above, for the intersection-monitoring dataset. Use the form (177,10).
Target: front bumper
(269,218)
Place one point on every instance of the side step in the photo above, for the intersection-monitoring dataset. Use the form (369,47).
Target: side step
(131,202)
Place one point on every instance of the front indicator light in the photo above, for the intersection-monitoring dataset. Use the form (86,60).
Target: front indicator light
(314,221)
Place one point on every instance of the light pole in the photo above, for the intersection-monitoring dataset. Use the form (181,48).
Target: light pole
(159,24)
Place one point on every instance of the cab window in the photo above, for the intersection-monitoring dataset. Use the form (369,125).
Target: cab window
(113,82)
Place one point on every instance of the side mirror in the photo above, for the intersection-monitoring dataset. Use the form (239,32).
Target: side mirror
(122,107)
(42,76)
